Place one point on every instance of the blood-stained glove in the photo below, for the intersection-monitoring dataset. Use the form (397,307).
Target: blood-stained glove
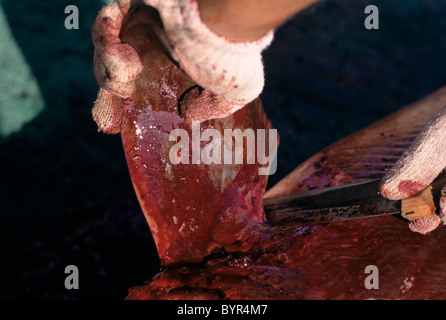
(417,168)
(116,64)
(229,72)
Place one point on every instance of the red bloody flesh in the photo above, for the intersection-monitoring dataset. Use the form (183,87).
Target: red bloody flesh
(317,262)
(259,261)
(191,208)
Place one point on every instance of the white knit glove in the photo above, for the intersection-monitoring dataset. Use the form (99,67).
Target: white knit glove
(417,168)
(116,64)
(230,72)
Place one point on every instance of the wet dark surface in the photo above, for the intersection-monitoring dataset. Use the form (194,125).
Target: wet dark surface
(66,196)
(317,262)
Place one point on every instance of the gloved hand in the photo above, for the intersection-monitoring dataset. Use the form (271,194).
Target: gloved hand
(417,168)
(231,73)
(116,64)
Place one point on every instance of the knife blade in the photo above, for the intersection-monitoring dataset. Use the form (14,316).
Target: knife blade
(346,202)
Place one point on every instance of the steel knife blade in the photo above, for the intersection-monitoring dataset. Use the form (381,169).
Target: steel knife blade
(345,202)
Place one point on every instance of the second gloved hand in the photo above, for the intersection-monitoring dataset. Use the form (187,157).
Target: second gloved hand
(417,168)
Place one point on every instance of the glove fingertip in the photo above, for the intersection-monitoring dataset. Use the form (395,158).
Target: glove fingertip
(401,189)
(198,104)
(425,225)
(107,112)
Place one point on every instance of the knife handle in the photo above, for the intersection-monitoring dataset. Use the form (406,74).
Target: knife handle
(422,204)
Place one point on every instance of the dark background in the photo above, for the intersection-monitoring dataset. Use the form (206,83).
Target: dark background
(66,197)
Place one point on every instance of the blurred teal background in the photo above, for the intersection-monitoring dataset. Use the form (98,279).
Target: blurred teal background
(66,196)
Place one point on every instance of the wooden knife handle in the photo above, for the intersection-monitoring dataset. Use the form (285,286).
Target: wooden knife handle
(422,204)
